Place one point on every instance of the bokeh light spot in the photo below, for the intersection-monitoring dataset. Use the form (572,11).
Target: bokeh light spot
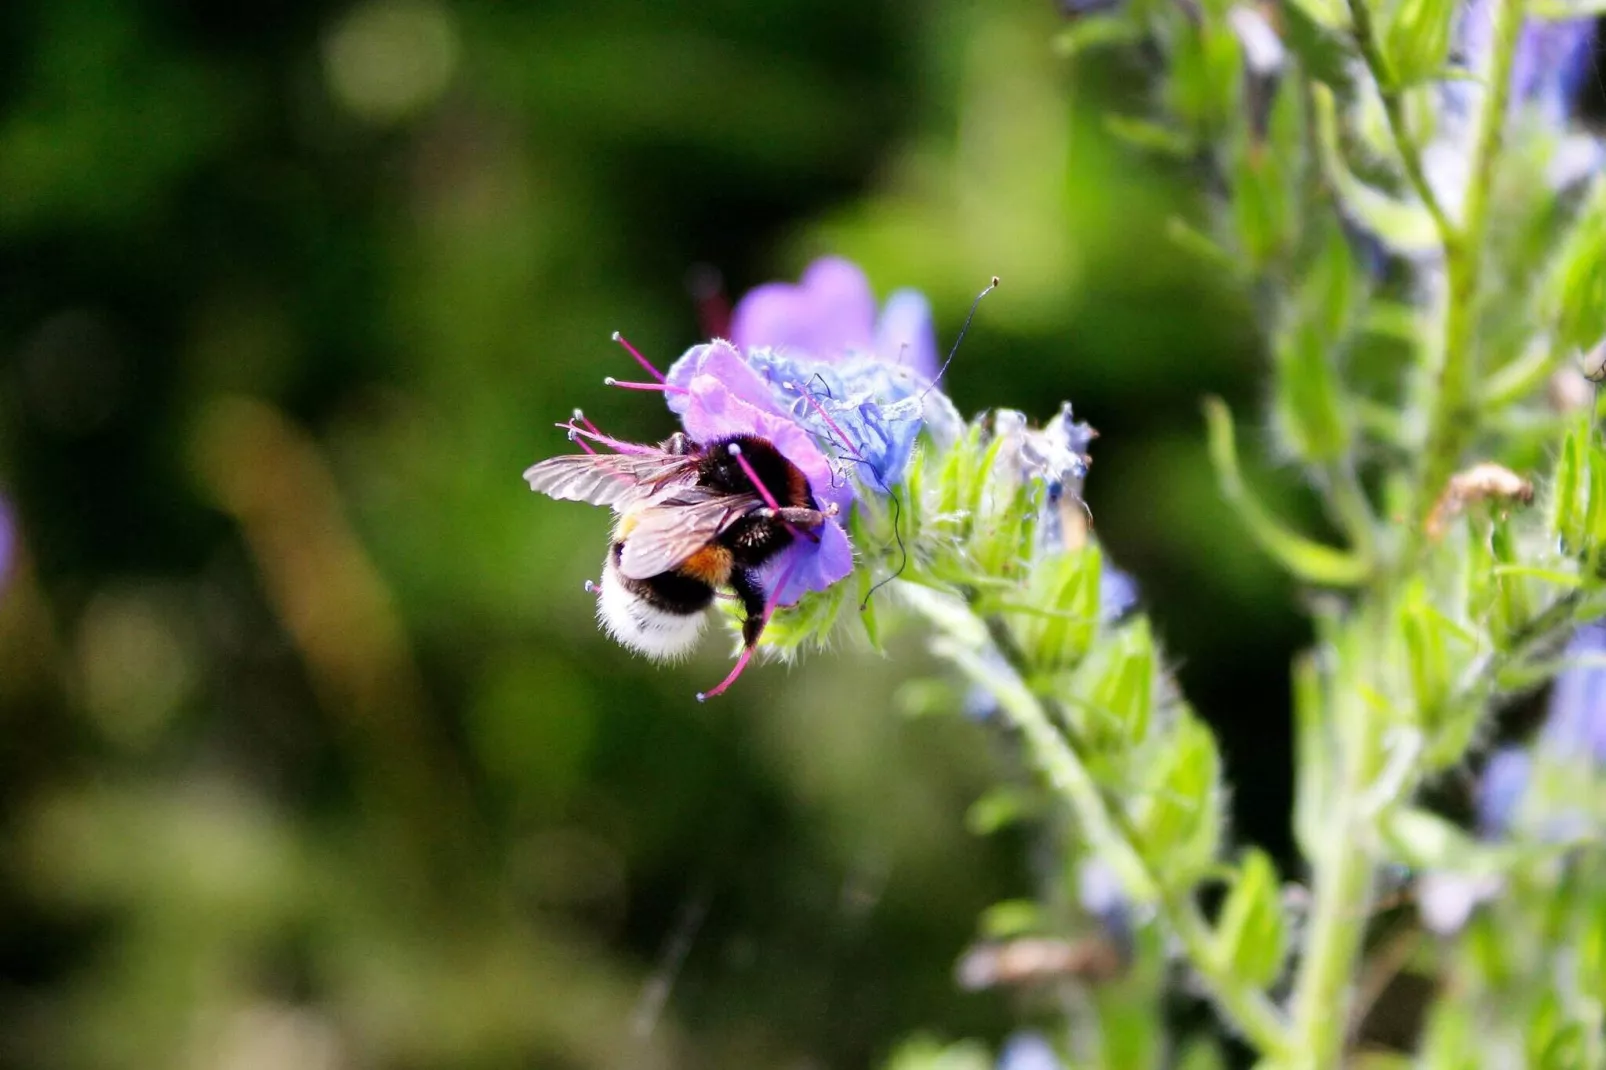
(387,60)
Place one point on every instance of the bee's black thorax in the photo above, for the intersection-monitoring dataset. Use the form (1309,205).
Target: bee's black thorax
(780,477)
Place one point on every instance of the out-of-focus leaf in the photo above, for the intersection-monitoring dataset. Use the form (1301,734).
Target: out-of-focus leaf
(1179,816)
(1416,39)
(1308,560)
(1012,917)
(1249,934)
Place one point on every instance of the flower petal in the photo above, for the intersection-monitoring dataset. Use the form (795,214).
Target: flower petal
(813,566)
(905,335)
(828,314)
(722,361)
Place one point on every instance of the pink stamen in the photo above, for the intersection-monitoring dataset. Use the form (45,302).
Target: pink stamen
(592,587)
(663,387)
(758,484)
(574,437)
(847,444)
(769,499)
(643,361)
(580,418)
(747,651)
(576,433)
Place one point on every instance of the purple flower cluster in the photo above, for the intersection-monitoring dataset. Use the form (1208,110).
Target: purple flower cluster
(839,390)
(1574,733)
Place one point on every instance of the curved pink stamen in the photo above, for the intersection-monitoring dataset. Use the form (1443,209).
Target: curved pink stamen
(747,652)
(634,352)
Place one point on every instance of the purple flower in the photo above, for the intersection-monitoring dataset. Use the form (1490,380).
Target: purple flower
(1550,64)
(1504,778)
(1574,734)
(1576,724)
(861,386)
(830,316)
(720,395)
(1028,1051)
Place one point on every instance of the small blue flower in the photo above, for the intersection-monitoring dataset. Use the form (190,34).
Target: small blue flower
(1505,776)
(1028,1051)
(1575,728)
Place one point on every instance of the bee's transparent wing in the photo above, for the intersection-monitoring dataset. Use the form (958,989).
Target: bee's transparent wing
(615,479)
(664,532)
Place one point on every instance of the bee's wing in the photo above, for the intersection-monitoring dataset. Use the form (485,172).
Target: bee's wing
(614,479)
(666,531)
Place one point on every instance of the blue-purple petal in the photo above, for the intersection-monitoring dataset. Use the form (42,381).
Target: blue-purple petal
(829,313)
(905,335)
(1576,725)
(1505,779)
(1028,1051)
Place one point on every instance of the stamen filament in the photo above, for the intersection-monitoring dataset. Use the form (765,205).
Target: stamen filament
(747,651)
(763,492)
(666,388)
(643,361)
(847,443)
(576,433)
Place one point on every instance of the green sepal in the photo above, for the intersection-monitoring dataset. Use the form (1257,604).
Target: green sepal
(1250,938)
(1178,820)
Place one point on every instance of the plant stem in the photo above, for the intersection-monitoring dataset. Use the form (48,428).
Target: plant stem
(1244,1006)
(1394,108)
(1453,416)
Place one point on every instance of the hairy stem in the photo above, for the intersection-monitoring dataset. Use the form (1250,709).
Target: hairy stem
(1342,867)
(1453,416)
(1243,1005)
(1394,107)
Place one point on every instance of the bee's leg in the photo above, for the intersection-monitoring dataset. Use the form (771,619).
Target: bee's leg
(746,583)
(798,518)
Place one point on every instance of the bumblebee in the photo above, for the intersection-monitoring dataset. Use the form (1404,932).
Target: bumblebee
(691,520)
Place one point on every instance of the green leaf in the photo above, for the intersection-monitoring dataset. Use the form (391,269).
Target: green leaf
(1011,917)
(1554,1042)
(1249,935)
(1569,493)
(1307,559)
(1179,815)
(999,808)
(1416,40)
(1405,226)
(1150,137)
(1206,77)
(1091,32)
(1065,586)
(1123,696)
(1578,286)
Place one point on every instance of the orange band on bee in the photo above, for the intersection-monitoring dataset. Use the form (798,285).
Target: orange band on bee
(712,564)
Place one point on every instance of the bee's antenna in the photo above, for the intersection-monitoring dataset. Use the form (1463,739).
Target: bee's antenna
(963,328)
(634,352)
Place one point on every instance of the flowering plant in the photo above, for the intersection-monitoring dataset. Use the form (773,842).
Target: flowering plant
(1402,180)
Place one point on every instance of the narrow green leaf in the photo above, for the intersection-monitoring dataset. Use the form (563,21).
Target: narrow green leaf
(1307,559)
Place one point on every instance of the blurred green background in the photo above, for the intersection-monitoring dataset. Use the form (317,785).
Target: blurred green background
(310,752)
